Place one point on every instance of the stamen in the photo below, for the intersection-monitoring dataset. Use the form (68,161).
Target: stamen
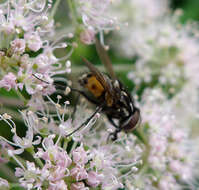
(68,55)
(9,142)
(67,91)
(59,97)
(59,39)
(10,123)
(35,10)
(58,140)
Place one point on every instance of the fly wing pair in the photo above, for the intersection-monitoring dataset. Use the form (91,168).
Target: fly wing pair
(103,79)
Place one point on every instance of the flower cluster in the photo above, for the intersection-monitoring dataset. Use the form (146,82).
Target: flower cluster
(59,169)
(166,54)
(96,18)
(169,157)
(165,59)
(76,168)
(139,15)
(54,167)
(26,48)
(117,161)
(166,51)
(4,184)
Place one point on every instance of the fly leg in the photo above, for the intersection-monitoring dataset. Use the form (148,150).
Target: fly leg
(112,122)
(98,110)
(85,96)
(114,134)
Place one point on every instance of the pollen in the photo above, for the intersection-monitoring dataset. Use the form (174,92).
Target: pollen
(6,116)
(59,97)
(67,90)
(45,119)
(58,106)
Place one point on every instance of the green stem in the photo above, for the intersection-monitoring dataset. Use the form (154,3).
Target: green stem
(14,113)
(39,162)
(73,12)
(145,157)
(32,152)
(140,136)
(7,172)
(3,40)
(66,143)
(21,96)
(15,186)
(54,9)
(73,147)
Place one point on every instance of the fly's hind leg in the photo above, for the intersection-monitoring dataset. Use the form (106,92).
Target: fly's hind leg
(85,96)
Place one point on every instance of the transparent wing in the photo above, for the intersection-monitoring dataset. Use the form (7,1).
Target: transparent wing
(105,58)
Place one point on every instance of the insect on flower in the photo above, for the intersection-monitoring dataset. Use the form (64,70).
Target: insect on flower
(109,95)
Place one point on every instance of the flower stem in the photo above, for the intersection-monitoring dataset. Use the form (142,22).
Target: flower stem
(73,12)
(54,9)
(140,136)
(32,152)
(15,186)
(7,172)
(73,147)
(66,141)
(21,96)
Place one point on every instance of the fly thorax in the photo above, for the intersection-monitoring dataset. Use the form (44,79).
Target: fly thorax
(91,83)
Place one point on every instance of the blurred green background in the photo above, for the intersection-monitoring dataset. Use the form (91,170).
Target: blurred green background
(190,8)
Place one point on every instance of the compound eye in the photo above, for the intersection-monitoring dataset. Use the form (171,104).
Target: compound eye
(132,121)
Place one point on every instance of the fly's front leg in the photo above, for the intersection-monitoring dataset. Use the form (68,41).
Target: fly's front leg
(114,134)
(85,96)
(112,122)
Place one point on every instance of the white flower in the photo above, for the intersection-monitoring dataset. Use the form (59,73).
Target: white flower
(18,46)
(4,183)
(33,41)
